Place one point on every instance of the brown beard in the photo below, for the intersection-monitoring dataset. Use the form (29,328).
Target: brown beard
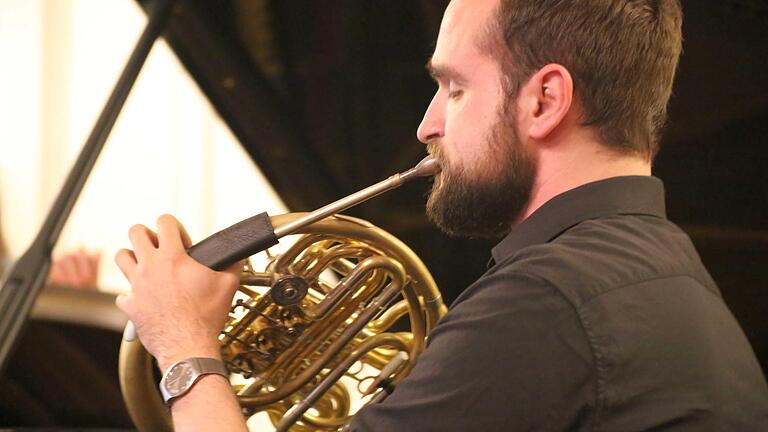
(464,205)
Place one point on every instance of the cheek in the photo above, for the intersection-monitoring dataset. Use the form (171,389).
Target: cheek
(467,131)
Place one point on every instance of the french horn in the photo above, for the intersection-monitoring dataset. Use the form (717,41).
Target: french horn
(317,327)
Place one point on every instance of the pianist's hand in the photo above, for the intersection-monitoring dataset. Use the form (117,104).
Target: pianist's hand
(79,270)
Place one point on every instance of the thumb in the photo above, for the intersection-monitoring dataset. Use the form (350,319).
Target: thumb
(122,302)
(235,269)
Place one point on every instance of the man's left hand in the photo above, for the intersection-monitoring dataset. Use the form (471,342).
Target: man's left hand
(178,305)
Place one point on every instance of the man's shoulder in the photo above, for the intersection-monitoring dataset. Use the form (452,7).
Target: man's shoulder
(603,254)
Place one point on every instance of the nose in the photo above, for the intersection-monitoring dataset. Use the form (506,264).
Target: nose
(433,124)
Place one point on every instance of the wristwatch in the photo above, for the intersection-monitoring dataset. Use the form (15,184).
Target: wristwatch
(182,375)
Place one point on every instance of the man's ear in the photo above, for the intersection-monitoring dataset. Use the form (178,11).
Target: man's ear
(545,100)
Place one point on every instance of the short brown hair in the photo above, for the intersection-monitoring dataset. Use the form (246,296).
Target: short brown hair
(622,55)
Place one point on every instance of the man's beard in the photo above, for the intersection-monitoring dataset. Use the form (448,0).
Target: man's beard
(484,200)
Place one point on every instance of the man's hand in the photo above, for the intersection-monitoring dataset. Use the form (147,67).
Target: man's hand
(178,305)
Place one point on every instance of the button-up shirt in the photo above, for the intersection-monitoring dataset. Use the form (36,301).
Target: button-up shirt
(596,314)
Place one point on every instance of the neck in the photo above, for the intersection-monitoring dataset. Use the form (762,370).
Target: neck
(562,168)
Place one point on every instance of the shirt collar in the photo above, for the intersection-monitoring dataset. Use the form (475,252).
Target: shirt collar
(618,195)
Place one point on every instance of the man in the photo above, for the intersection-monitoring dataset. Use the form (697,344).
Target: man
(596,313)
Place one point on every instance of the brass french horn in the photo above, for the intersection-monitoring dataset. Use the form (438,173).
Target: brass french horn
(315,328)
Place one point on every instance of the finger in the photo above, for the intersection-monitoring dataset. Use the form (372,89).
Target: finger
(93,267)
(95,259)
(126,261)
(68,271)
(84,272)
(236,269)
(123,301)
(55,275)
(92,261)
(143,239)
(168,233)
(186,240)
(233,273)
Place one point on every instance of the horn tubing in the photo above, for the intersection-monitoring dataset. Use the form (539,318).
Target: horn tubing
(295,413)
(380,301)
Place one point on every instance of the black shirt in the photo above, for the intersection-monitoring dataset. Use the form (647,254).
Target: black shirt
(596,315)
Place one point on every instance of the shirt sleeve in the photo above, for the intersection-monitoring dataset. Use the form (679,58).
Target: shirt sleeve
(512,355)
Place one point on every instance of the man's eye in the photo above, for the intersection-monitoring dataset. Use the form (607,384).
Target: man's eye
(455,94)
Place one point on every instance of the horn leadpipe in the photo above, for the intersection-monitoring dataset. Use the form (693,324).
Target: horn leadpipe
(256,234)
(427,167)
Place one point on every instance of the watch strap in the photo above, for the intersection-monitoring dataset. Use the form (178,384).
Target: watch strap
(199,367)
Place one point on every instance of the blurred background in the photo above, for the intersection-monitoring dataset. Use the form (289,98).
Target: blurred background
(275,105)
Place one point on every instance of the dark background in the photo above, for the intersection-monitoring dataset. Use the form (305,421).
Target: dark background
(326,97)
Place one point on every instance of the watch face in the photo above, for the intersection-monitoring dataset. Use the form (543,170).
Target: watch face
(179,378)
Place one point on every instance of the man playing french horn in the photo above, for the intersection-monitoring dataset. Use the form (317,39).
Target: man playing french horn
(596,312)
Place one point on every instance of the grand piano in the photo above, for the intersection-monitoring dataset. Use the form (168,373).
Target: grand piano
(329,94)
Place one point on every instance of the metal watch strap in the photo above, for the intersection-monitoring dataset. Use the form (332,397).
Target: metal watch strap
(199,366)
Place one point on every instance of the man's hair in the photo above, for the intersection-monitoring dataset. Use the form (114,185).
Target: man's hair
(622,55)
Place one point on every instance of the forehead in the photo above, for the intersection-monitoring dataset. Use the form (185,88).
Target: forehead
(464,24)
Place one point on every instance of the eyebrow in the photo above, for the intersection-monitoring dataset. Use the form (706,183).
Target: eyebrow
(438,72)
